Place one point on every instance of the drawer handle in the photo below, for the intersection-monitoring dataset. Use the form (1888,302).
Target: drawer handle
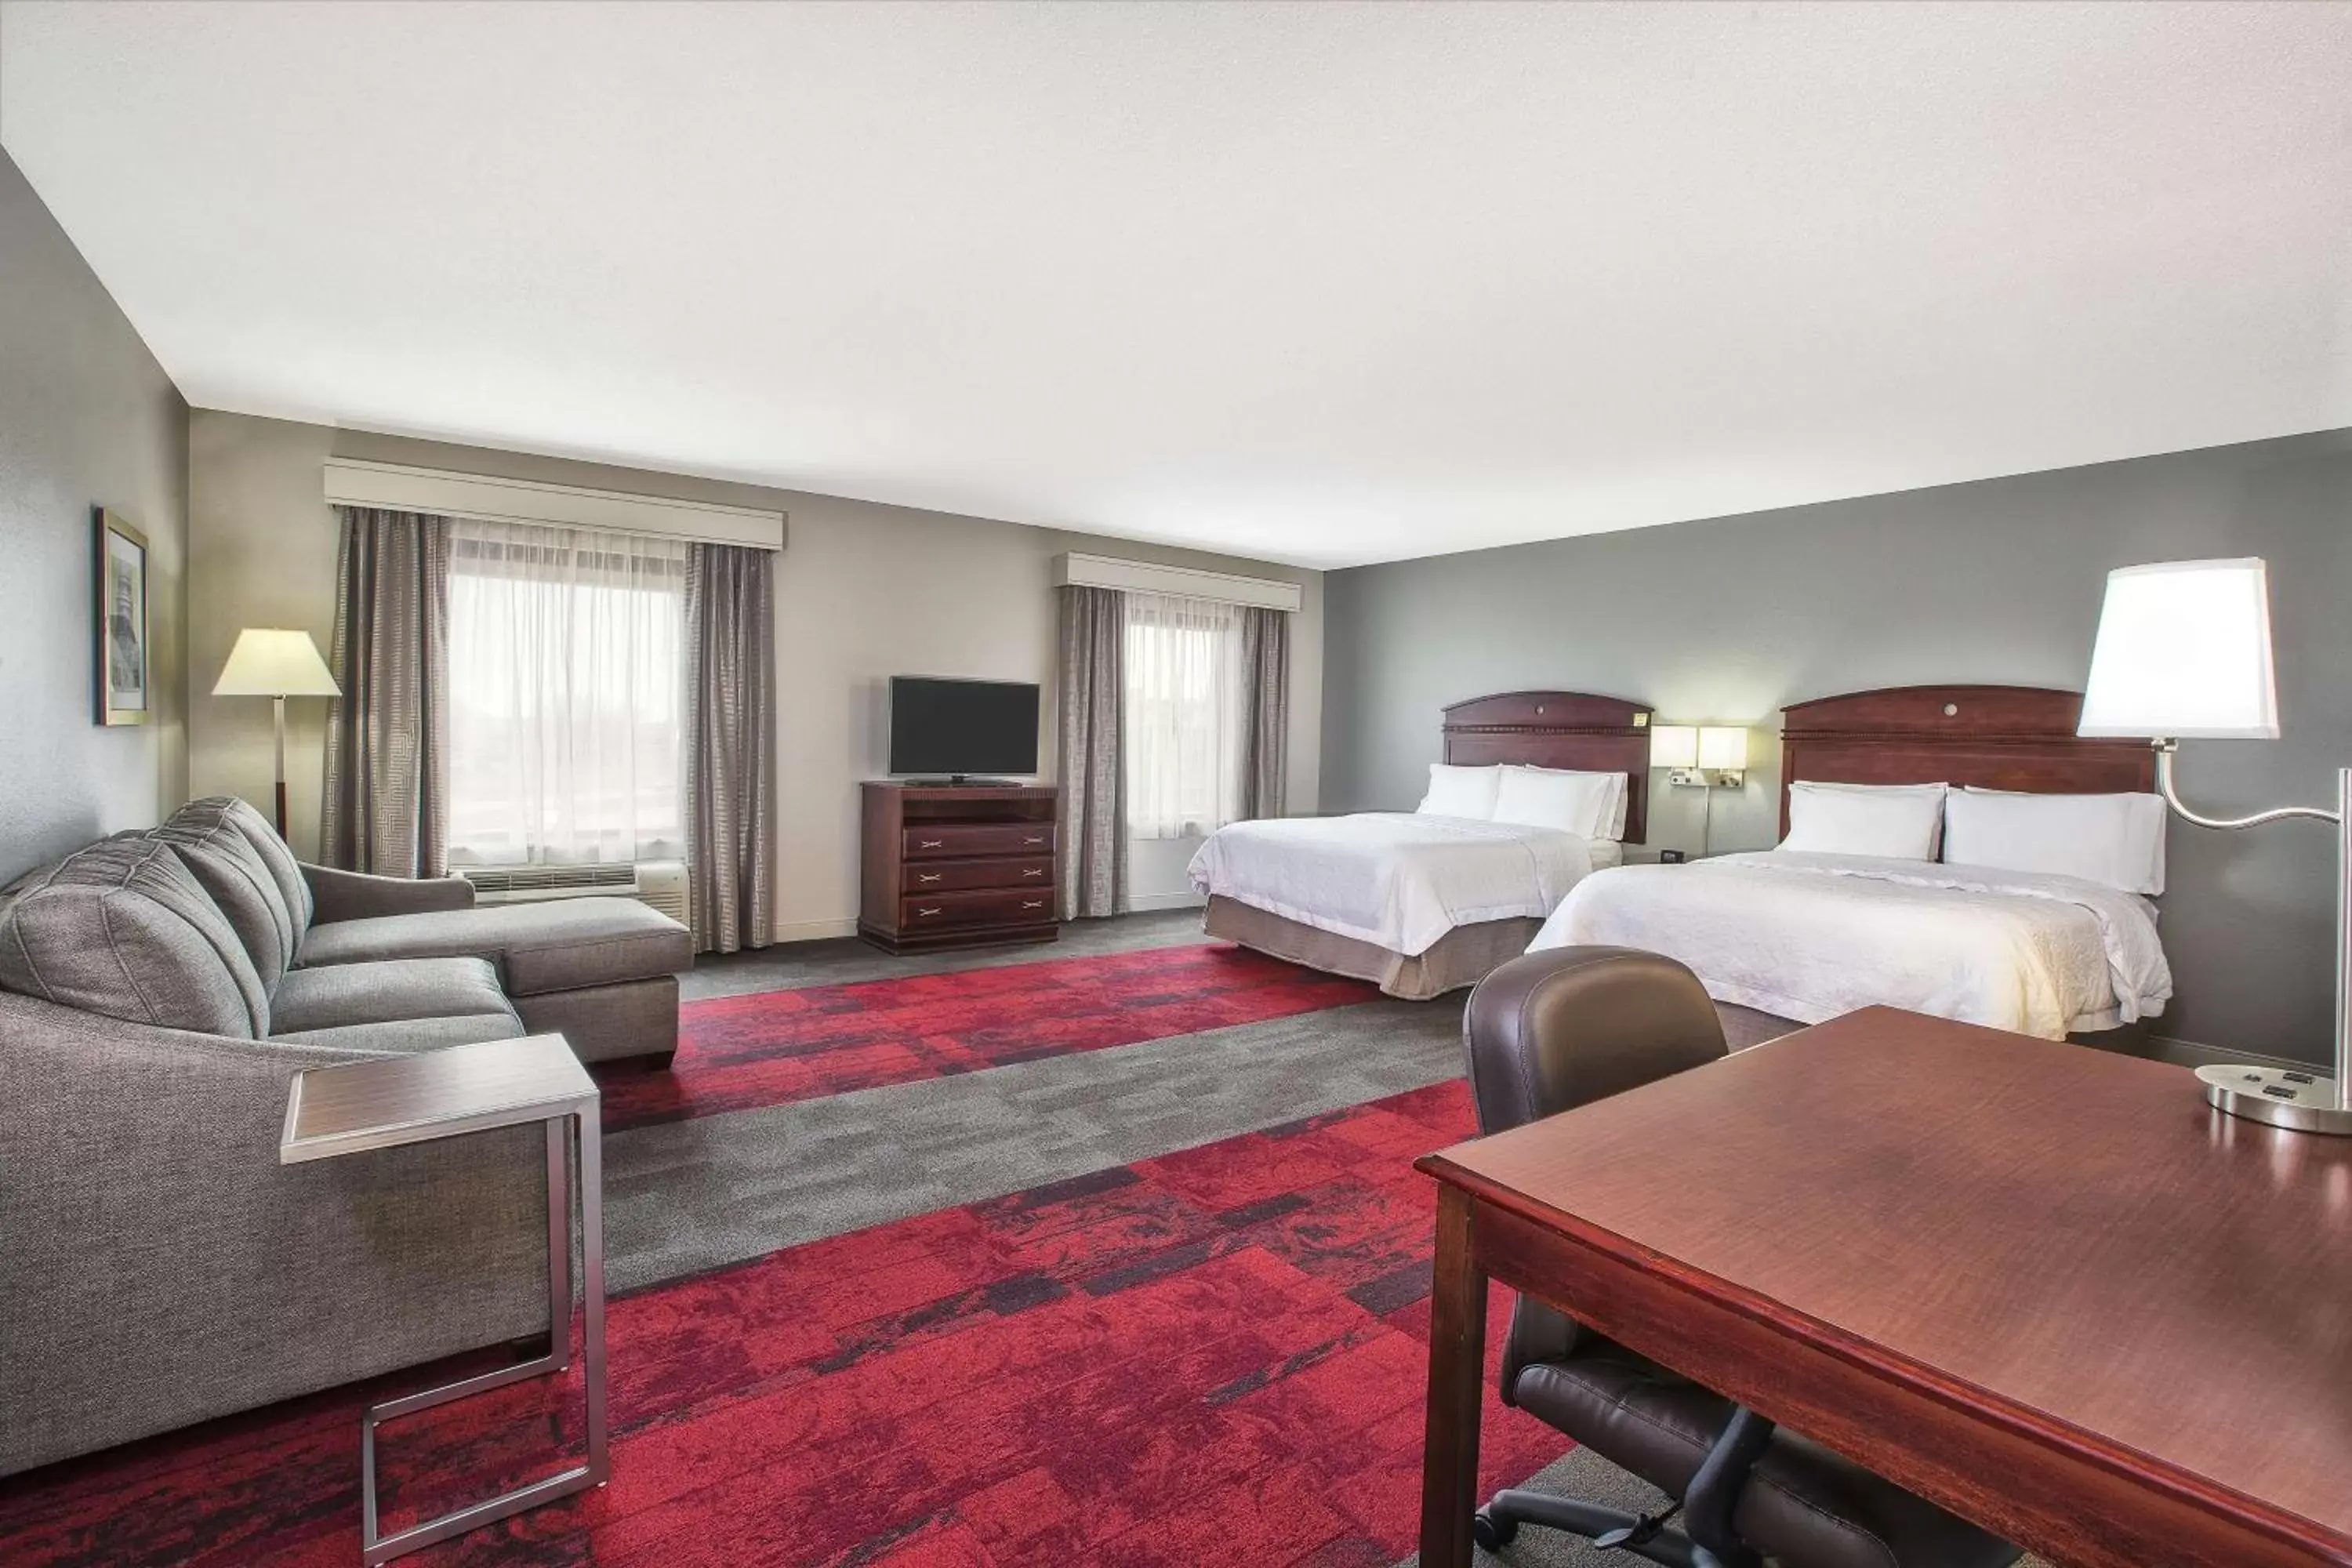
(922,914)
(1033,904)
(928,876)
(931,843)
(1033,871)
(1033,841)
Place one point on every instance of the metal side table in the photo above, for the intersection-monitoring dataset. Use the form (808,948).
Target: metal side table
(383,1104)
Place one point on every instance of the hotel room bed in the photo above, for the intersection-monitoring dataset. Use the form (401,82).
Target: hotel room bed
(1805,938)
(1785,938)
(1420,903)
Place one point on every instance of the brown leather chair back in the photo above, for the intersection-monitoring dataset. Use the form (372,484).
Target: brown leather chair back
(1561,1028)
(1569,1026)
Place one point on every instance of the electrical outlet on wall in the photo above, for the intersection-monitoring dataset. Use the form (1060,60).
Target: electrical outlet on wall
(1671,857)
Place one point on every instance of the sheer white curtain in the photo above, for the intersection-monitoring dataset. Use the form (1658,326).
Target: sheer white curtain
(1183,717)
(567,684)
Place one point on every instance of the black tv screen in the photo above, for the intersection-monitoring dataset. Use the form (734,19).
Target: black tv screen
(962,726)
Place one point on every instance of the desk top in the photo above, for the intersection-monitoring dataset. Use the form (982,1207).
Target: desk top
(392,1100)
(2064,1238)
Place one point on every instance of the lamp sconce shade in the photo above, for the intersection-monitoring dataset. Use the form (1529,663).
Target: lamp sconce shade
(1723,747)
(271,663)
(1673,746)
(2183,651)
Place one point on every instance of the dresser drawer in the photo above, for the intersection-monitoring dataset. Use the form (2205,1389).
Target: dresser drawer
(948,840)
(949,876)
(1006,906)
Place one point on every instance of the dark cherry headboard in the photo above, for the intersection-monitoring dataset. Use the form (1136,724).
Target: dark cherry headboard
(1558,729)
(1994,737)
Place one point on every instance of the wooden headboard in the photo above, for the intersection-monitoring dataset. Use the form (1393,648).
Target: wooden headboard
(1994,737)
(1558,729)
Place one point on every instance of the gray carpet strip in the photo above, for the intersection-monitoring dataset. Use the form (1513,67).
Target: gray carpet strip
(683,1197)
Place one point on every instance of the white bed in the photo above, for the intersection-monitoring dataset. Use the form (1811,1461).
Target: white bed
(1809,937)
(1886,889)
(1398,880)
(1537,789)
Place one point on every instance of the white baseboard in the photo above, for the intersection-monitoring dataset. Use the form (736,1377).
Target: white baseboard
(817,931)
(1146,902)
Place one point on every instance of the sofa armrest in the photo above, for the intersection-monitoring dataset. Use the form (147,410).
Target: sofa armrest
(359,896)
(159,1266)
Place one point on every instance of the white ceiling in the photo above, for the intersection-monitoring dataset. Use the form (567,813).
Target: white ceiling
(1324,284)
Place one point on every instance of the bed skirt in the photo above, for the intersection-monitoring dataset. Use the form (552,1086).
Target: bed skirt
(1463,956)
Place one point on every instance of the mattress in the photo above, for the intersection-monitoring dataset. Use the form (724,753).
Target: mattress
(1398,880)
(1811,936)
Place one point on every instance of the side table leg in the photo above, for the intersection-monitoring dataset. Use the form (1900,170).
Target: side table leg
(591,1248)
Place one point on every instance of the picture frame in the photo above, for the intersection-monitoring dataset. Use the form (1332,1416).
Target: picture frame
(122,674)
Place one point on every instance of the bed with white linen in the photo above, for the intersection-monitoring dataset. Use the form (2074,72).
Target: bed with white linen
(1952,850)
(1538,790)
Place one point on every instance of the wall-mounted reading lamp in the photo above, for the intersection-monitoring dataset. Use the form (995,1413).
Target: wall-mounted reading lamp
(1702,756)
(2184,652)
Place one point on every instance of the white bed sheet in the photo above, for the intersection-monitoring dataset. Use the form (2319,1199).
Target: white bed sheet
(1811,936)
(1398,879)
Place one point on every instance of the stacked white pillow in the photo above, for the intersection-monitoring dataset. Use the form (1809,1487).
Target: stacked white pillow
(1892,822)
(1590,804)
(2117,840)
(1461,791)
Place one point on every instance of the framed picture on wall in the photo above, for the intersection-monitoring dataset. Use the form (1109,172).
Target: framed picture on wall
(122,617)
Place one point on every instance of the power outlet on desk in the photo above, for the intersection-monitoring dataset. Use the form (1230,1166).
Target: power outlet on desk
(1671,857)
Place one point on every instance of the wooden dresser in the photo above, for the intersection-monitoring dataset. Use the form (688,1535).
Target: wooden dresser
(959,865)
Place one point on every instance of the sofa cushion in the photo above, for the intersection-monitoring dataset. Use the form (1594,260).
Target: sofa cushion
(123,928)
(387,991)
(227,810)
(409,1036)
(560,945)
(235,877)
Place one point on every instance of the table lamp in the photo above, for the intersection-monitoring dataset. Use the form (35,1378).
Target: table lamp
(276,665)
(2184,650)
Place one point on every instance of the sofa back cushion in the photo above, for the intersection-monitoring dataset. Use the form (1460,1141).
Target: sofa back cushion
(275,853)
(123,929)
(225,863)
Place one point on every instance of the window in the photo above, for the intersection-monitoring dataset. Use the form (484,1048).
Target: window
(1183,715)
(567,686)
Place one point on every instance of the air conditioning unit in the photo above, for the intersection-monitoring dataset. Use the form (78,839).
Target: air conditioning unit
(661,884)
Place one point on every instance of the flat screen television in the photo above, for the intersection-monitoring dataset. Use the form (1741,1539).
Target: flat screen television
(962,727)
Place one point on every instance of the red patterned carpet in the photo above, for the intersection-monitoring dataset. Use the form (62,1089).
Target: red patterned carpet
(1212,1357)
(777,1046)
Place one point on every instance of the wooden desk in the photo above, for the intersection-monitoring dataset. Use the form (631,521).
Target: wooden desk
(2043,1285)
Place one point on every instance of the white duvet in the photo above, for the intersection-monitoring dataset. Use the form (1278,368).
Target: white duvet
(1812,936)
(1398,879)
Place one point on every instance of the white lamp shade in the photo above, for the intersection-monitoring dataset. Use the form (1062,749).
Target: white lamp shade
(1673,746)
(2183,650)
(1722,746)
(268,663)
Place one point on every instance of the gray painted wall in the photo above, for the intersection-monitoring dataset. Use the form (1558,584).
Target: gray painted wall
(1997,580)
(87,419)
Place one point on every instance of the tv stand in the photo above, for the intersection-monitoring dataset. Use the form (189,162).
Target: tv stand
(950,865)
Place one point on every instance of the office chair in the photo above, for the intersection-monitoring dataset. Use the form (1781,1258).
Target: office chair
(1561,1029)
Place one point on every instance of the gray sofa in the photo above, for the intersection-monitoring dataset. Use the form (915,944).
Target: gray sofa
(158,992)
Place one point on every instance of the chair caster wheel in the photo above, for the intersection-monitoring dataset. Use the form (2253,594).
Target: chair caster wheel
(1492,1534)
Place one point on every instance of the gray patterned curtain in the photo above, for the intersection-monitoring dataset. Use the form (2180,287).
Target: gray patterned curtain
(1093,679)
(730,746)
(387,788)
(1266,710)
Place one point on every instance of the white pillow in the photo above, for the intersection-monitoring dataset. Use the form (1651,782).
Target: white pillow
(1461,791)
(1894,822)
(2117,840)
(1587,804)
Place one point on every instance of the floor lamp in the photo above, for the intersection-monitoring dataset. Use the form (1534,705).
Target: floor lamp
(276,665)
(2184,652)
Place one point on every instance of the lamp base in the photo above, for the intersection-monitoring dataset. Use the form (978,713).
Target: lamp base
(2283,1097)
